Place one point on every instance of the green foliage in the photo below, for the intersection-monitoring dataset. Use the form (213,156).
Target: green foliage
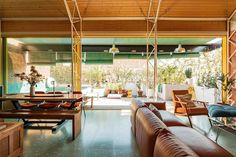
(188,73)
(96,76)
(62,74)
(226,83)
(170,75)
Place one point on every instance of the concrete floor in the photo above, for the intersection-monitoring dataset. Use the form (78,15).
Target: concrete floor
(104,134)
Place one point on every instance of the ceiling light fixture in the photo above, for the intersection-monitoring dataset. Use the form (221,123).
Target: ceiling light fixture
(180,49)
(114,49)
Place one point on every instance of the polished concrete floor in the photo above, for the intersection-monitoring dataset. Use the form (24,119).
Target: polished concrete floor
(104,134)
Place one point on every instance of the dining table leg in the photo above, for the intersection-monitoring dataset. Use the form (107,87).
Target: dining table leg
(16,104)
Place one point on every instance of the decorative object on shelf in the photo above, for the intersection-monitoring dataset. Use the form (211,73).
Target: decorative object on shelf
(226,84)
(32,78)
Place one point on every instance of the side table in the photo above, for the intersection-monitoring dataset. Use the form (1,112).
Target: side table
(11,139)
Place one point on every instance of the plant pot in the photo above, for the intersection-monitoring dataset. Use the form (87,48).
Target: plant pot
(140,93)
(189,81)
(150,93)
(108,91)
(124,93)
(113,91)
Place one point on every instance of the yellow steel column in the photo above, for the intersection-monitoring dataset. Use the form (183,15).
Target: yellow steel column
(224,56)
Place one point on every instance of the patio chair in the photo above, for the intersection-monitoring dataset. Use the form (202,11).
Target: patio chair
(183,108)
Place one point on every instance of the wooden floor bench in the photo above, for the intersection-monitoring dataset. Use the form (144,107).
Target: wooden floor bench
(74,115)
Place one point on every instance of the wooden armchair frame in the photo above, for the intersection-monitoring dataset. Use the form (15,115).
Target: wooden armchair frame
(189,111)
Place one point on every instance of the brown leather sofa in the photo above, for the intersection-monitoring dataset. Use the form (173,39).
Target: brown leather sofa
(169,137)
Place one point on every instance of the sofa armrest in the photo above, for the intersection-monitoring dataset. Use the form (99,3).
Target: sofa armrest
(158,105)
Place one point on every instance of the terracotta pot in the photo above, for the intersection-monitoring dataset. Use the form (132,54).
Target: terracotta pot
(140,93)
(108,91)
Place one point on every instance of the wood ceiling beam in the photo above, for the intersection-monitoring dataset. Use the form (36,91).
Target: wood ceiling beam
(112,19)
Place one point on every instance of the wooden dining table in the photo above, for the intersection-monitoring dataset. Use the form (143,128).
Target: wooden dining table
(16,98)
(62,115)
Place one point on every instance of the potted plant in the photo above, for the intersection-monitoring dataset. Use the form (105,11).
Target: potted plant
(140,92)
(225,84)
(188,74)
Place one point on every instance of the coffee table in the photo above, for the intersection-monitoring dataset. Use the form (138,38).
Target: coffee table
(224,123)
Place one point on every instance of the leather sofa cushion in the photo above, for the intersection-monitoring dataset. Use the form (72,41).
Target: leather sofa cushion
(147,128)
(135,105)
(170,119)
(200,144)
(168,145)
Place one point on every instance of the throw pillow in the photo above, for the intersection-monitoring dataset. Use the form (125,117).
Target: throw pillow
(155,111)
(187,98)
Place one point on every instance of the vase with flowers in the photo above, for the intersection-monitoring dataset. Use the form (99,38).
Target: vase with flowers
(32,78)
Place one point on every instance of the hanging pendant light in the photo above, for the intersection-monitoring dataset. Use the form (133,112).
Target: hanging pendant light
(180,49)
(114,49)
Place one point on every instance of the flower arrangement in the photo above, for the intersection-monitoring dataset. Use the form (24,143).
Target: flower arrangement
(33,78)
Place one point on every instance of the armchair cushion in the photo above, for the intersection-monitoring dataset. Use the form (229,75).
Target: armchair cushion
(187,99)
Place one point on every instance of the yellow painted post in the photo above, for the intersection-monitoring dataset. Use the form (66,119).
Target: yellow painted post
(224,55)
(77,64)
(224,61)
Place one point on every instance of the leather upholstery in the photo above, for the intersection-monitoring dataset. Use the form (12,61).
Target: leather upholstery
(170,119)
(147,128)
(200,144)
(168,145)
(158,105)
(179,141)
(135,105)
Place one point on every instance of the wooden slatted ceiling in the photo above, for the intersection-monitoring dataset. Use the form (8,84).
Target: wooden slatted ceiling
(116,8)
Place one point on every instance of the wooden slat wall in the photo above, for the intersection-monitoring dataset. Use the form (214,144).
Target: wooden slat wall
(89,8)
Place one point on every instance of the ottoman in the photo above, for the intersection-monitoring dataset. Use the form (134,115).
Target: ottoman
(218,110)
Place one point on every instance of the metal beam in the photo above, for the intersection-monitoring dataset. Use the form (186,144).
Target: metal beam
(76,47)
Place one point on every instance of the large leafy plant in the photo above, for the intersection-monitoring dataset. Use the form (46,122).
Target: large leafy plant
(226,84)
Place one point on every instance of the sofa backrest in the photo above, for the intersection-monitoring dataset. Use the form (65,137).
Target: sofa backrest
(168,145)
(147,128)
(135,105)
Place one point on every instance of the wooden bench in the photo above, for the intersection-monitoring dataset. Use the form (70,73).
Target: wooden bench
(74,115)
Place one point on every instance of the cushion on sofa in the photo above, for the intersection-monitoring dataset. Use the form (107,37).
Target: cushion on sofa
(200,144)
(147,128)
(158,105)
(168,145)
(170,119)
(155,111)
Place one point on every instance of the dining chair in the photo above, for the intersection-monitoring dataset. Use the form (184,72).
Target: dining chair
(50,104)
(81,102)
(184,109)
